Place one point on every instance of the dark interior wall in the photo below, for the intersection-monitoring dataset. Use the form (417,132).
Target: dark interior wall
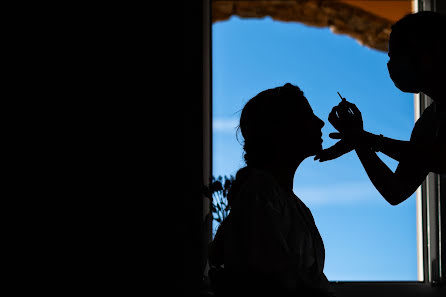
(191,102)
(441,6)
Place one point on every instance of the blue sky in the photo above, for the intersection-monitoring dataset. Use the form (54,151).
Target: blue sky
(365,238)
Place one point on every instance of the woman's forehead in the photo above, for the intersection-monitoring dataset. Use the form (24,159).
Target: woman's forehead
(300,107)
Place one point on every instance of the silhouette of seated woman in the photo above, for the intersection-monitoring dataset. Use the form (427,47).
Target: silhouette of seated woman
(417,49)
(269,244)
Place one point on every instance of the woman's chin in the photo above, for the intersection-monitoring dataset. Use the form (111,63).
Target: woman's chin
(316,150)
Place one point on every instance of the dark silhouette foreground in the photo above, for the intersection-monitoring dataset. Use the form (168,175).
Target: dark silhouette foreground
(269,244)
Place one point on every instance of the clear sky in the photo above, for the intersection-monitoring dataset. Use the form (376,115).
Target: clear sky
(365,237)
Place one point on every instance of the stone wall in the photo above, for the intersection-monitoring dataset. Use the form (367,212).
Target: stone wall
(368,29)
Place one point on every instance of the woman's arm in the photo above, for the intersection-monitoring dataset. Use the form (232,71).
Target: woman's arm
(347,119)
(395,149)
(413,164)
(396,186)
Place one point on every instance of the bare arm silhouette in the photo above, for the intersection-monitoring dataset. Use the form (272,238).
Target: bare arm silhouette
(396,186)
(393,148)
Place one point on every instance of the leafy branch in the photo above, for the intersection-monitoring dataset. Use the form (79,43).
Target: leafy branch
(218,193)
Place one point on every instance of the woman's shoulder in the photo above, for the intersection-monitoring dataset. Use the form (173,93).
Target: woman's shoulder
(425,117)
(260,186)
(429,134)
(426,126)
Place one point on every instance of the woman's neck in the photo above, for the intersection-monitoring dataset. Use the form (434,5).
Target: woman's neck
(283,173)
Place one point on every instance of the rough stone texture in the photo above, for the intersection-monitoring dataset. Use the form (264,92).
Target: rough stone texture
(368,29)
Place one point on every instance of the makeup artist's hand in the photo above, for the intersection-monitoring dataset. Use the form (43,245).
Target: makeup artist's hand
(335,151)
(347,119)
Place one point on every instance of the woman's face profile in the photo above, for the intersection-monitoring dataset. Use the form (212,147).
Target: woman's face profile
(302,131)
(313,133)
(402,64)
